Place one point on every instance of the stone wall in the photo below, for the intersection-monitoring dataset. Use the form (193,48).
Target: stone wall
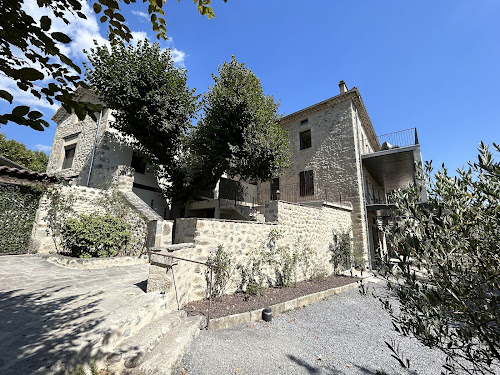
(306,230)
(83,200)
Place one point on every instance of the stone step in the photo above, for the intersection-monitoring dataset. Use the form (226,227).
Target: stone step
(132,351)
(120,324)
(168,352)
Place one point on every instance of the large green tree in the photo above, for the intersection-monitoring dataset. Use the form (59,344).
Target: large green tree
(18,153)
(447,282)
(153,102)
(30,51)
(238,134)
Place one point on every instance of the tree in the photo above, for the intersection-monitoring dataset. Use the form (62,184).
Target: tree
(154,105)
(239,133)
(448,280)
(31,53)
(18,153)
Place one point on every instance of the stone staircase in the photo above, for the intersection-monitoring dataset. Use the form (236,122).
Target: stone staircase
(142,338)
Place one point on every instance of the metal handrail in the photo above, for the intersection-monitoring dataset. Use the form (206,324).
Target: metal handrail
(211,278)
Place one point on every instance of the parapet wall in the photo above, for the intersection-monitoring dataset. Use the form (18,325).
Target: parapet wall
(303,229)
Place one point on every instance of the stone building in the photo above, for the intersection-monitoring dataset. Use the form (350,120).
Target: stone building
(89,152)
(337,157)
(338,160)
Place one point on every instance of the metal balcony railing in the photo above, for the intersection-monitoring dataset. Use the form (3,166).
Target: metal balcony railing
(402,138)
(389,141)
(307,192)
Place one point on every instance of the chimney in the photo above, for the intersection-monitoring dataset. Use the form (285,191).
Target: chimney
(343,87)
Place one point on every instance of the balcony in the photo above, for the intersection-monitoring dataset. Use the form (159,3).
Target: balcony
(392,166)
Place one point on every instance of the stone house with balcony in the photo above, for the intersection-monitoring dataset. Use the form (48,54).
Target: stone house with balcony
(338,161)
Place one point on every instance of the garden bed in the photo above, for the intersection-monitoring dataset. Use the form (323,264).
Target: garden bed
(240,302)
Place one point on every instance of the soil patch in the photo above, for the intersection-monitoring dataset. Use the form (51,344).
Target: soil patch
(239,302)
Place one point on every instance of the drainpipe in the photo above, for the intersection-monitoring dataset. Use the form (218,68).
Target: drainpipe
(363,193)
(93,148)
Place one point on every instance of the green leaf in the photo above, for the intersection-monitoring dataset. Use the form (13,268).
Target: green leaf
(30,74)
(61,37)
(36,126)
(35,115)
(6,95)
(103,19)
(45,23)
(21,110)
(97,8)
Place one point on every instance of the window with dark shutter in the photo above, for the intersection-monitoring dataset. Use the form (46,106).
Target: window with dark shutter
(306,183)
(69,155)
(138,163)
(305,139)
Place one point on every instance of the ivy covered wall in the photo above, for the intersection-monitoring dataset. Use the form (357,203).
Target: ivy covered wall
(18,205)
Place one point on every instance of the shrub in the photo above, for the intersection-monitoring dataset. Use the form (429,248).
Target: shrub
(222,275)
(95,236)
(18,205)
(341,249)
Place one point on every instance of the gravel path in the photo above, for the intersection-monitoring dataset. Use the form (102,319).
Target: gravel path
(344,334)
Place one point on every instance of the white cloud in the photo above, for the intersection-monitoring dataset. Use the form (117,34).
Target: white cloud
(82,31)
(143,15)
(178,56)
(43,148)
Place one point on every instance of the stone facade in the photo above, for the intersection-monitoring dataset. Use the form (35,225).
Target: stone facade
(339,134)
(104,152)
(304,229)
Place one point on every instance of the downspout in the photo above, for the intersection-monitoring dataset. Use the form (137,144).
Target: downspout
(368,241)
(93,148)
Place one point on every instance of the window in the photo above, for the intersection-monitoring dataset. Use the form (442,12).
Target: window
(275,186)
(69,155)
(306,183)
(305,139)
(138,163)
(303,122)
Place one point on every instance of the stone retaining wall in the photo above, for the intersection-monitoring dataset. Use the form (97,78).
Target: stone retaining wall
(83,200)
(306,230)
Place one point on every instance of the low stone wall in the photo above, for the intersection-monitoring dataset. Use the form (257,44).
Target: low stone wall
(305,230)
(83,200)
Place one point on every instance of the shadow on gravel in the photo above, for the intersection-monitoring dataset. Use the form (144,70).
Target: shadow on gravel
(333,371)
(39,330)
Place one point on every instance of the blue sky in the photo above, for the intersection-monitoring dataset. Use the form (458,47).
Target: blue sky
(433,65)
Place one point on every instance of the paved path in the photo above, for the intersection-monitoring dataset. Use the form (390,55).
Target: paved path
(47,310)
(344,334)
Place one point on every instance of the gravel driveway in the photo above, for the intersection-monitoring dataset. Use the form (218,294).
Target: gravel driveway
(344,334)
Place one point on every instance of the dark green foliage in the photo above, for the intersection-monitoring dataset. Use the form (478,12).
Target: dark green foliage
(239,133)
(155,105)
(448,279)
(18,205)
(222,273)
(18,153)
(341,251)
(95,236)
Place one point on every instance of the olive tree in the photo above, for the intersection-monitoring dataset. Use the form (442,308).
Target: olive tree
(447,282)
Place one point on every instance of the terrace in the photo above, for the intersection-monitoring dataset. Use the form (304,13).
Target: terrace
(391,167)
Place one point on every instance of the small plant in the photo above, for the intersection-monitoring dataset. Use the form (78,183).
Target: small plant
(94,370)
(95,236)
(319,273)
(341,249)
(222,273)
(252,277)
